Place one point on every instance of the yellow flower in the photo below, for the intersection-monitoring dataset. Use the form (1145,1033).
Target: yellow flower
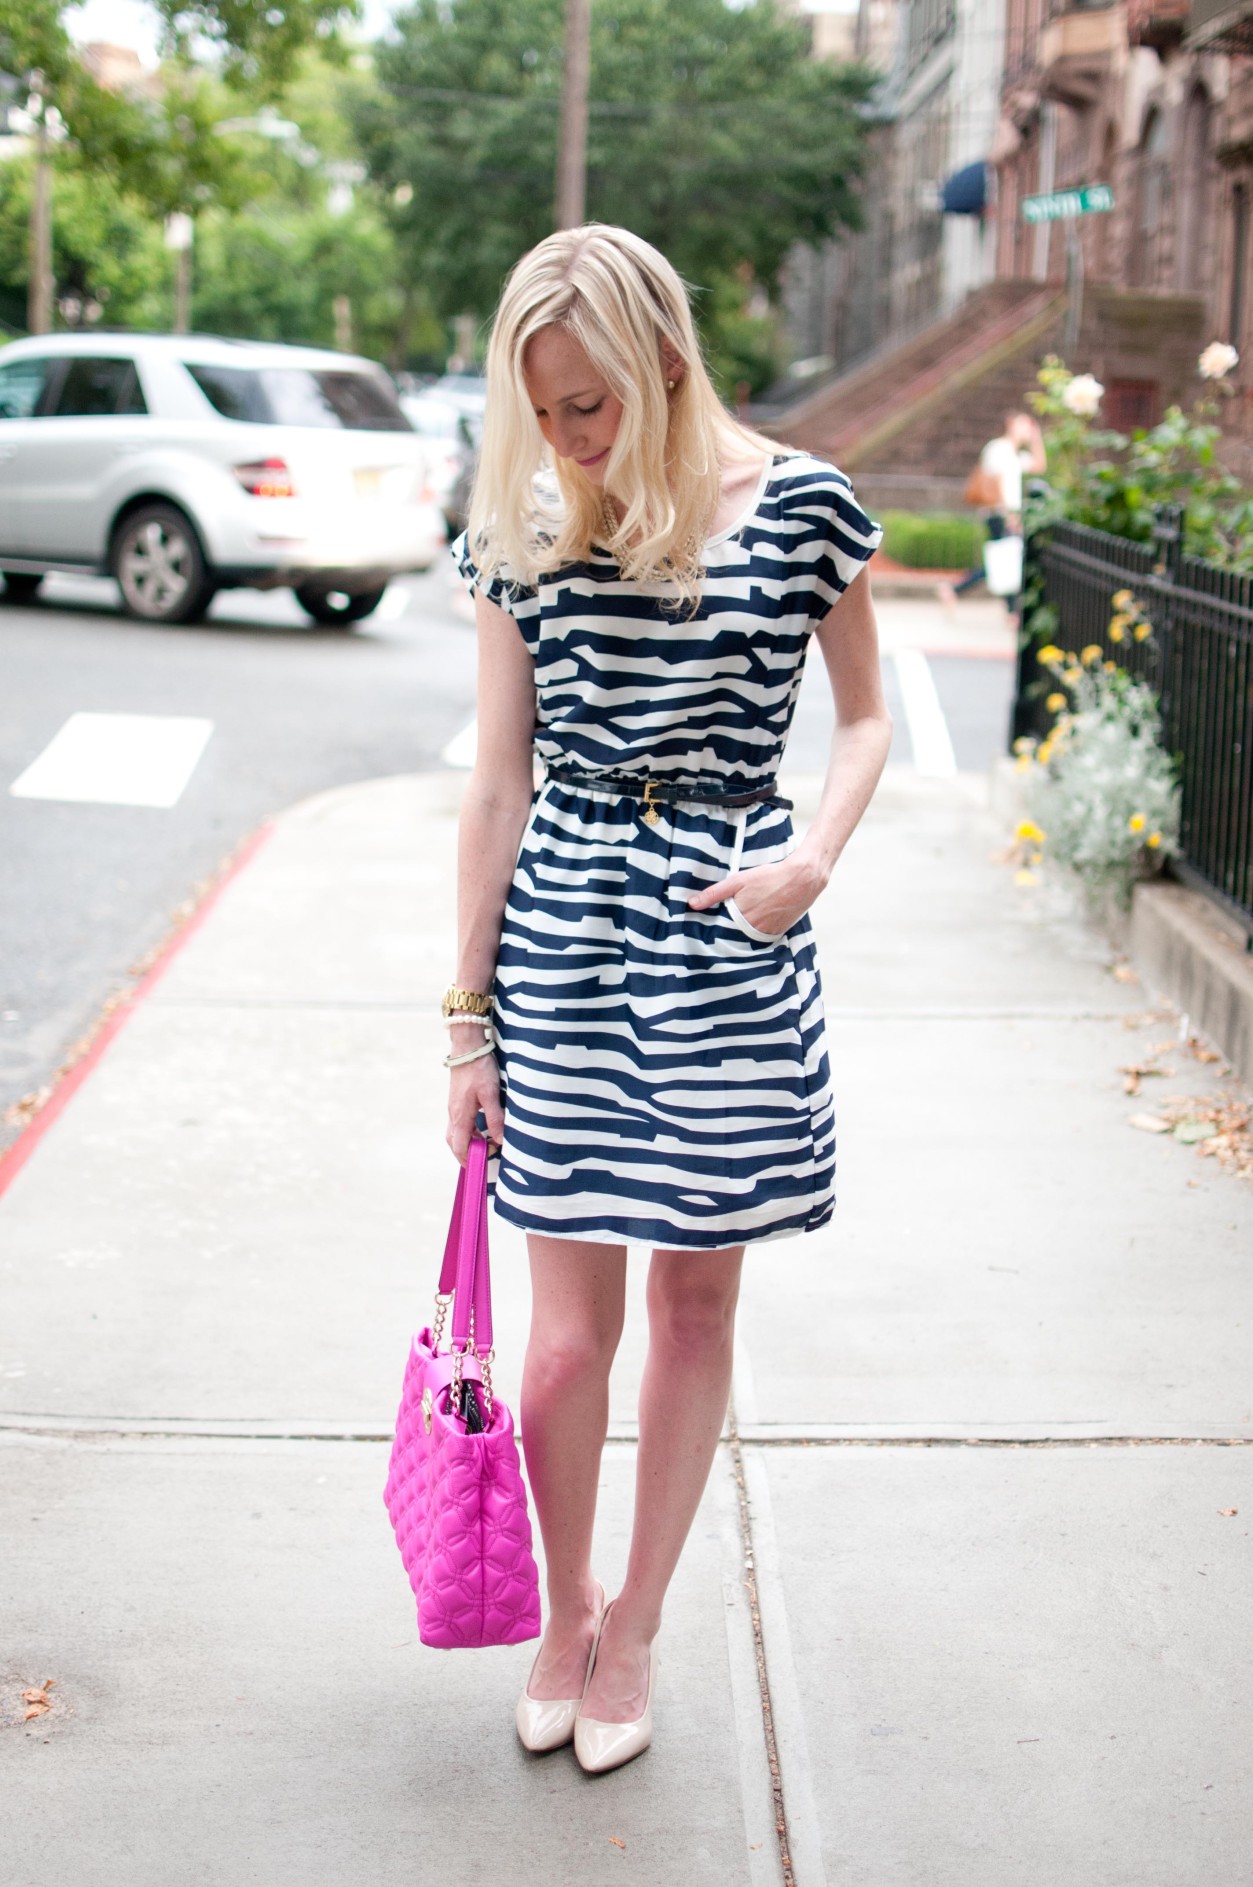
(1116,630)
(1071,675)
(1137,822)
(1023,763)
(1109,667)
(1153,841)
(1142,631)
(1049,653)
(1055,703)
(1091,654)
(1028,829)
(1121,599)
(1044,752)
(1024,744)
(1024,877)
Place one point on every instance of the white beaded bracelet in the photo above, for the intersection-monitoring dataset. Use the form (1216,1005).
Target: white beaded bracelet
(459,1061)
(464,1015)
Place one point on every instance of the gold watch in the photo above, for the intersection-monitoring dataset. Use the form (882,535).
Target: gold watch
(472,1001)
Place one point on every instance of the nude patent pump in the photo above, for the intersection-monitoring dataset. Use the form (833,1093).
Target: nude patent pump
(546,1723)
(600,1746)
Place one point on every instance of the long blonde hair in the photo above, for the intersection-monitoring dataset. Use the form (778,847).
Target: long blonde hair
(620,299)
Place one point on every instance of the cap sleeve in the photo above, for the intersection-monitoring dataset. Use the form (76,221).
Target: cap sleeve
(833,537)
(521,600)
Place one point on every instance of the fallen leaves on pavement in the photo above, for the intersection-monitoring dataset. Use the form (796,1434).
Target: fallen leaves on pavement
(38,1701)
(1137,1071)
(1219,1127)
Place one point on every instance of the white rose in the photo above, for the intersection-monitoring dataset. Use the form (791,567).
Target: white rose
(1082,395)
(1217,361)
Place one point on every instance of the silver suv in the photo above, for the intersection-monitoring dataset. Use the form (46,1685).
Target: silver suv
(185,464)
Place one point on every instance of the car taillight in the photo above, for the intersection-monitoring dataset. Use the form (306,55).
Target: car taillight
(266,478)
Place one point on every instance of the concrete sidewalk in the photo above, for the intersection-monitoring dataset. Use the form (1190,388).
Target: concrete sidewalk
(988,1428)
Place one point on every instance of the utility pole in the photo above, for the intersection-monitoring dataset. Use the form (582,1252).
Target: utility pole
(572,150)
(39,285)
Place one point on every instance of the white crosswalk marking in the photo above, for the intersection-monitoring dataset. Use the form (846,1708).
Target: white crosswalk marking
(394,604)
(928,730)
(462,748)
(117,760)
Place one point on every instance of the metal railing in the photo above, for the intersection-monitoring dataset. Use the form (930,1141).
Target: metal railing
(1199,660)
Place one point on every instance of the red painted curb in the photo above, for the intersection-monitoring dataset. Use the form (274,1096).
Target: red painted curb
(15,1157)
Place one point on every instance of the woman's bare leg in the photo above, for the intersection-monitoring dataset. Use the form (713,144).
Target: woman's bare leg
(683,1401)
(578,1296)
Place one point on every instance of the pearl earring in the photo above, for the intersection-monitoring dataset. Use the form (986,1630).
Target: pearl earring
(670,384)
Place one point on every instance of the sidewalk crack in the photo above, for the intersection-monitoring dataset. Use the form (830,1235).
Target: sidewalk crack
(759,1648)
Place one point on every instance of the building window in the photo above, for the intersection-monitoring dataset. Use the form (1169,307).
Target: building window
(929,22)
(1152,187)
(1239,263)
(1194,197)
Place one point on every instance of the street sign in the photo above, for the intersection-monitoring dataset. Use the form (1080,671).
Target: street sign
(1088,200)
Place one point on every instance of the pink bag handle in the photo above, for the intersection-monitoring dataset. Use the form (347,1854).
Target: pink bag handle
(465,1271)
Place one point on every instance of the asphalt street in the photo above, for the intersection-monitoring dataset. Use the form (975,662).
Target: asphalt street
(286,710)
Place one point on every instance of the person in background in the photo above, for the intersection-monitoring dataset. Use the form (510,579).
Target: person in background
(996,487)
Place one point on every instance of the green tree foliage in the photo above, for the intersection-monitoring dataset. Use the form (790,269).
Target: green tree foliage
(275,275)
(33,38)
(104,247)
(712,133)
(258,42)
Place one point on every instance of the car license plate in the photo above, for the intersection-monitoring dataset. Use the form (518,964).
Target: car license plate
(393,482)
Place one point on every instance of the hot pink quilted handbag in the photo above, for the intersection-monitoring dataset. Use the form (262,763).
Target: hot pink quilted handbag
(454,1485)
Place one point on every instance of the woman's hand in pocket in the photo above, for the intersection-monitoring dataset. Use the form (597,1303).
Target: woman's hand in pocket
(769,897)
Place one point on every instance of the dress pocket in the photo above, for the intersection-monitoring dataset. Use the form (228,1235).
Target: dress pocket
(730,906)
(741,923)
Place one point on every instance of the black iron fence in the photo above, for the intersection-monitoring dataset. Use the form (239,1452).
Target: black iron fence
(1199,660)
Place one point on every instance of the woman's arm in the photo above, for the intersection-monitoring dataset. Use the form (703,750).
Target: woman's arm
(493,814)
(772,897)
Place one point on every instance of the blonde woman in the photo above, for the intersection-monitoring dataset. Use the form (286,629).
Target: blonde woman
(637,1018)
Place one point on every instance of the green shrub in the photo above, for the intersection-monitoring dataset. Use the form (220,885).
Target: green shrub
(932,540)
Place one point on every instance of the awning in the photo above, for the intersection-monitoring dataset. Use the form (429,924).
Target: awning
(965,193)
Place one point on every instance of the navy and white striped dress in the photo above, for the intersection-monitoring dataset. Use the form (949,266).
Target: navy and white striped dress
(664,1070)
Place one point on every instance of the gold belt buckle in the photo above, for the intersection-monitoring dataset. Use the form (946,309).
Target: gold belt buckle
(651,814)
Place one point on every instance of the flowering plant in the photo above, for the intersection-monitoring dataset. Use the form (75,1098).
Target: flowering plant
(1102,794)
(1115,481)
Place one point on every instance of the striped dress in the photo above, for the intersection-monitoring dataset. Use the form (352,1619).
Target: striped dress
(664,1070)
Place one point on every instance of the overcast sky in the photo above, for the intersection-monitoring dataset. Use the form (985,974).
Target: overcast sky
(131,22)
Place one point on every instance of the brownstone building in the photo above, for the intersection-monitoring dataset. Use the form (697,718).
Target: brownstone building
(1155,99)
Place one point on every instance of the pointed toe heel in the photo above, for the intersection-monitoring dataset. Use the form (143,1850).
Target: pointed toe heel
(545,1723)
(600,1746)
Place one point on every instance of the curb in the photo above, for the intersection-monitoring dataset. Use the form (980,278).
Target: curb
(119,1011)
(1181,943)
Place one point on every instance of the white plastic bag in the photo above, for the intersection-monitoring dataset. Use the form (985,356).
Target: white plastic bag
(1002,565)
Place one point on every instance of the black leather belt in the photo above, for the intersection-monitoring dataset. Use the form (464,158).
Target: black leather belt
(667,792)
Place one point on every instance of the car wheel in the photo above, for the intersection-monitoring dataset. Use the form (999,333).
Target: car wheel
(337,606)
(159,566)
(20,586)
